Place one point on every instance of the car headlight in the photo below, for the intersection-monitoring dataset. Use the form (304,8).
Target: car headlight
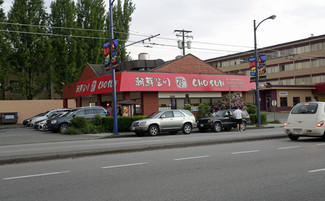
(53,121)
(142,123)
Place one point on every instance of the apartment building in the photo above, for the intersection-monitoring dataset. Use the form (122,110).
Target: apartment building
(295,72)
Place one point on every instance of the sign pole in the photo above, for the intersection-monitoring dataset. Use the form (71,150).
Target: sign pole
(113,70)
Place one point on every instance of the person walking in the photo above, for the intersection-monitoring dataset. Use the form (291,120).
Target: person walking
(238,115)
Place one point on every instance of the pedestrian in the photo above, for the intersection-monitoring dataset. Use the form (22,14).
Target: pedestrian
(238,115)
(214,113)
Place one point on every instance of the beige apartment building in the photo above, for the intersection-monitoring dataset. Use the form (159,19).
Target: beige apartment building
(295,72)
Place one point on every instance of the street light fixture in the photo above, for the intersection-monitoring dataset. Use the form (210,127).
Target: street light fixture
(257,70)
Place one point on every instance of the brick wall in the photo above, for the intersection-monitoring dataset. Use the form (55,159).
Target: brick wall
(150,102)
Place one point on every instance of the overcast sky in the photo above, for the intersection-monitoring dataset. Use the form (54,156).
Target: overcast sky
(219,27)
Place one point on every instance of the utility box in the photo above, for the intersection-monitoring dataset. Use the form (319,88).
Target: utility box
(9,118)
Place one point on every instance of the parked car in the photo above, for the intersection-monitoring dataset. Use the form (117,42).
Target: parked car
(26,121)
(165,121)
(45,115)
(42,125)
(48,115)
(306,119)
(60,124)
(222,120)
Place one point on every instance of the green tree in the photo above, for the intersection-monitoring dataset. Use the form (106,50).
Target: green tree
(91,19)
(4,52)
(121,22)
(31,49)
(64,48)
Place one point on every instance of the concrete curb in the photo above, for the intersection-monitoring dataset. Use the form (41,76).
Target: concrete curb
(74,154)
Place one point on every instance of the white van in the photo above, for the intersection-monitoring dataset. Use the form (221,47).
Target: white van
(306,119)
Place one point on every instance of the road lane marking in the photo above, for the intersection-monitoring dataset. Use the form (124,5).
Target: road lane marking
(292,147)
(322,144)
(194,157)
(318,170)
(35,175)
(125,165)
(245,152)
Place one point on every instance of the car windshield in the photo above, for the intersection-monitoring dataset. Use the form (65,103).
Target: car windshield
(153,115)
(305,108)
(220,113)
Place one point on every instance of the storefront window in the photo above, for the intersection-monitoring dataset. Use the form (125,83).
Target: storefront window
(283,101)
(164,102)
(195,101)
(296,100)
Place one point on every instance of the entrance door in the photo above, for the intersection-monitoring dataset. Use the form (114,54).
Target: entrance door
(180,103)
(268,103)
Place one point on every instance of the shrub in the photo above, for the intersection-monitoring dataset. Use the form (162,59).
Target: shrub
(188,107)
(254,118)
(204,110)
(235,99)
(251,108)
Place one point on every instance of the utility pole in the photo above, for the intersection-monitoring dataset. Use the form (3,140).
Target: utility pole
(182,34)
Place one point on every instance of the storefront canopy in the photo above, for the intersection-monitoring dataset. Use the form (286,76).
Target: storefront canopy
(138,81)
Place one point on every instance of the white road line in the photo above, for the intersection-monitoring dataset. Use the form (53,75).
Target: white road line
(245,152)
(322,144)
(125,165)
(188,158)
(35,175)
(292,147)
(318,170)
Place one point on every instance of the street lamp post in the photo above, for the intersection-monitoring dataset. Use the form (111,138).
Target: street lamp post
(257,70)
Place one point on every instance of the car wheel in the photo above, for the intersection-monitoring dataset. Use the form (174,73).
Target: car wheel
(63,127)
(243,126)
(153,130)
(187,128)
(293,137)
(217,127)
(202,130)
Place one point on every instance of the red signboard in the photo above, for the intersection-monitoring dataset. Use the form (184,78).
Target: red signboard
(127,81)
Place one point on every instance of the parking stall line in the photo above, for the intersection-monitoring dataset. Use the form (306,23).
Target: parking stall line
(35,175)
(245,152)
(189,158)
(124,165)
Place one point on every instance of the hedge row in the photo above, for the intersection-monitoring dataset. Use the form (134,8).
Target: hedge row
(80,125)
(254,118)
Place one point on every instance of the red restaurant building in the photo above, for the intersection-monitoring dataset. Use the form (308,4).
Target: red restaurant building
(151,85)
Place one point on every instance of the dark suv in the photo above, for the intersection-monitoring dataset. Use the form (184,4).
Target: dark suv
(222,120)
(63,122)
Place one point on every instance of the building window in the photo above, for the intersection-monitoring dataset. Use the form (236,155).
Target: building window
(296,100)
(282,68)
(308,99)
(283,101)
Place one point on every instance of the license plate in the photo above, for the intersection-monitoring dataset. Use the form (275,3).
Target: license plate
(132,128)
(201,125)
(298,131)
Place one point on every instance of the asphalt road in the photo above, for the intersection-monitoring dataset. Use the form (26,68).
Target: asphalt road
(26,144)
(277,169)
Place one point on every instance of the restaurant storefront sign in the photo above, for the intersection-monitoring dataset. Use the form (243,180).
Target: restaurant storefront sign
(134,81)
